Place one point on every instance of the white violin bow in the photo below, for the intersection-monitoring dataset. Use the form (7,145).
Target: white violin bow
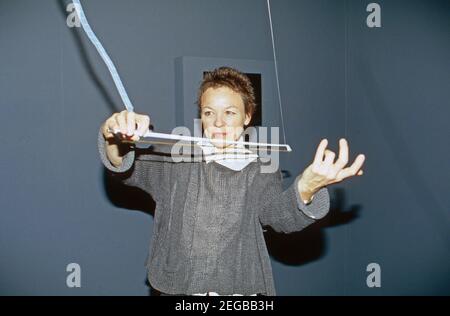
(147,138)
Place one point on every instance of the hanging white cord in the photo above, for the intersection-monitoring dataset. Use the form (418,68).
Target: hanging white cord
(112,69)
(276,70)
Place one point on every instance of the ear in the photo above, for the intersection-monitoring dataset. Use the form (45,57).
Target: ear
(248,118)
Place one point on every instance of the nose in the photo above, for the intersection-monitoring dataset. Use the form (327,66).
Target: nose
(218,122)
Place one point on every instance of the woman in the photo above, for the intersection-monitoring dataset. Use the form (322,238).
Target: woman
(207,235)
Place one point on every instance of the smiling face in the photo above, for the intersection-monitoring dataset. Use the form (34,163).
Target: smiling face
(223,115)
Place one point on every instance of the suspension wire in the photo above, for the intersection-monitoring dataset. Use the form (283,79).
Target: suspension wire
(276,70)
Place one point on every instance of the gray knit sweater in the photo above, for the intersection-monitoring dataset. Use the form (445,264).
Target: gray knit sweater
(207,230)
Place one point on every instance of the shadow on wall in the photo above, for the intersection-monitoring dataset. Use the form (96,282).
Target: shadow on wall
(131,198)
(309,244)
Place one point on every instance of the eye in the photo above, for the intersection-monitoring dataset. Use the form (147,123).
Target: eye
(207,113)
(230,112)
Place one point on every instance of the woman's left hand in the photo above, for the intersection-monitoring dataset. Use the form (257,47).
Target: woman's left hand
(323,171)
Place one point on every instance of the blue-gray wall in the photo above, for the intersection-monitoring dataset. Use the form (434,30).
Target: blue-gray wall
(386,90)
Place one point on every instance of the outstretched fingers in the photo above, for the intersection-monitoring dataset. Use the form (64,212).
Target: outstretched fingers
(354,169)
(318,158)
(343,154)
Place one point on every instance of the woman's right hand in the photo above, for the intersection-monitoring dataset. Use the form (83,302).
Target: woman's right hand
(130,125)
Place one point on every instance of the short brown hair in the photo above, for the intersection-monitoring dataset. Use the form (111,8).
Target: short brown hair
(233,79)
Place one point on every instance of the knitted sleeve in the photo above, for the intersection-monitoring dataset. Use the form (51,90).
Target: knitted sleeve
(136,171)
(285,211)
